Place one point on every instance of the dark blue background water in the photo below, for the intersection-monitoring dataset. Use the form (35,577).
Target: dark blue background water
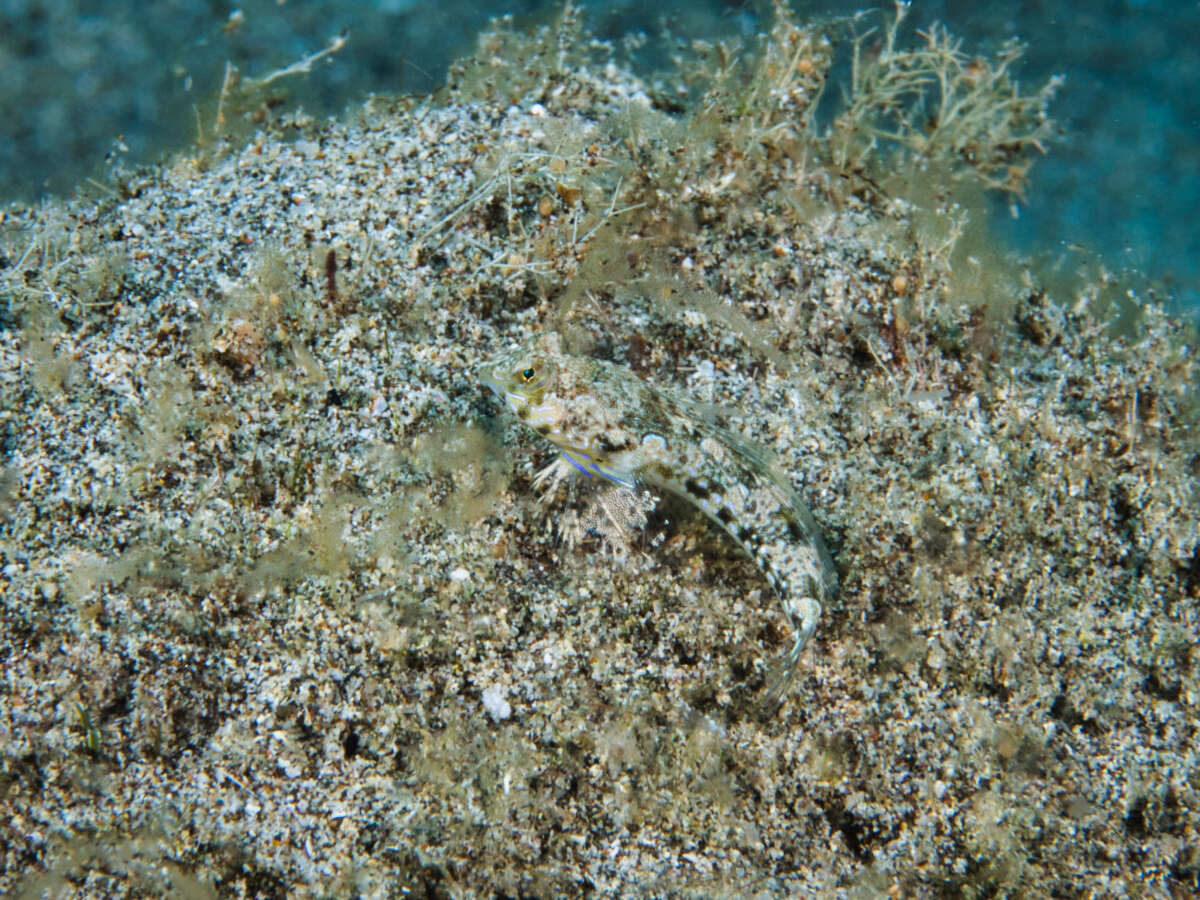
(1125,181)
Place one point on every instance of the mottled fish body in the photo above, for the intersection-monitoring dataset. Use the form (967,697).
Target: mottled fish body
(609,423)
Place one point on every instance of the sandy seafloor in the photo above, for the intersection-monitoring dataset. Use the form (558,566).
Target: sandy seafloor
(285,615)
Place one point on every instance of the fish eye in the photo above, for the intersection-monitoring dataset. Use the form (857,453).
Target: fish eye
(527,375)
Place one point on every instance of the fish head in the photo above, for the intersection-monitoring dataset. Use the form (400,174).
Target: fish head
(524,379)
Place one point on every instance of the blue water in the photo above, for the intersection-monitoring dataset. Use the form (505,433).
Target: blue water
(1124,181)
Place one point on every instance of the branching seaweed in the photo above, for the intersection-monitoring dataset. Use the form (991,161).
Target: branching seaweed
(939,105)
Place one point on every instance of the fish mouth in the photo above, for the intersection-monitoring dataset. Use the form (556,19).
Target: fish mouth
(514,402)
(489,381)
(489,377)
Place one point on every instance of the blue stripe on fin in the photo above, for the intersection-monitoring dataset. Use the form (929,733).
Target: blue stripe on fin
(576,463)
(612,475)
(588,464)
